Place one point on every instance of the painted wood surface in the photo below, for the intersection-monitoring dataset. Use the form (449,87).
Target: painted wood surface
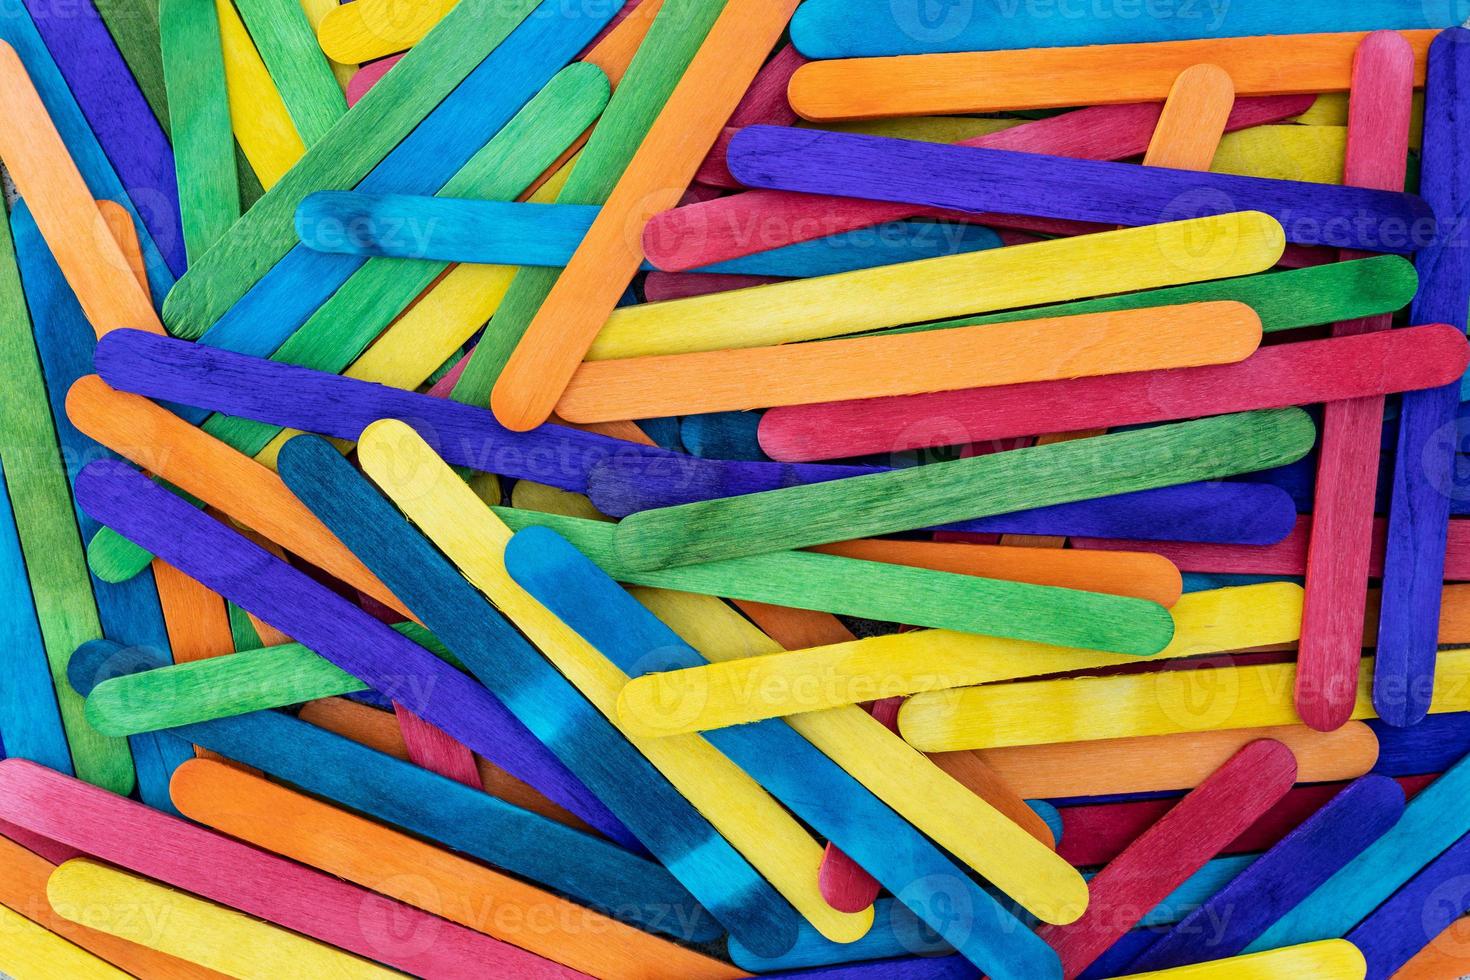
(267,137)
(300,71)
(35,951)
(1427,905)
(381,27)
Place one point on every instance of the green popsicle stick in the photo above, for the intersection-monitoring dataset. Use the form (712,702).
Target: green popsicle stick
(302,74)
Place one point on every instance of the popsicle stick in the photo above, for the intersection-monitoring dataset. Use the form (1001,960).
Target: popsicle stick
(1329,370)
(754,221)
(134,28)
(199,624)
(300,71)
(811,309)
(1431,902)
(1431,823)
(117,113)
(381,27)
(879,667)
(367,76)
(262,124)
(1040,78)
(1347,467)
(135,837)
(587,744)
(200,121)
(764,102)
(1291,152)
(366,853)
(331,626)
(830,29)
(124,905)
(387,115)
(31,950)
(316,12)
(1037,351)
(822,513)
(1422,483)
(1442,959)
(822,794)
(1282,877)
(1143,575)
(600,270)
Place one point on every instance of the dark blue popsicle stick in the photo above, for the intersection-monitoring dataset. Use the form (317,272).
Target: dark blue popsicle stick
(1433,745)
(545,41)
(909,968)
(1273,885)
(723,435)
(543,700)
(982,180)
(1421,910)
(1423,477)
(257,581)
(815,788)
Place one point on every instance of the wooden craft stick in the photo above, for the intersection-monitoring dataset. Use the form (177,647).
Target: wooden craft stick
(301,828)
(657,175)
(554,711)
(347,636)
(1442,959)
(764,102)
(135,837)
(1347,466)
(811,309)
(797,374)
(200,121)
(1303,373)
(1427,905)
(381,27)
(177,923)
(754,221)
(297,65)
(821,513)
(1141,574)
(367,76)
(1422,483)
(781,684)
(830,29)
(1039,78)
(199,623)
(1283,876)
(874,167)
(316,12)
(822,794)
(31,950)
(1431,823)
(1202,823)
(262,123)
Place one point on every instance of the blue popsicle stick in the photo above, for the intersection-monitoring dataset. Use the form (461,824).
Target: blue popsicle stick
(815,788)
(875,28)
(19,32)
(1433,745)
(1295,867)
(543,700)
(1421,910)
(1423,479)
(723,435)
(485,101)
(29,718)
(155,756)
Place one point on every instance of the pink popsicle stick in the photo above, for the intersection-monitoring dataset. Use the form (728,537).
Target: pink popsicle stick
(660,286)
(764,103)
(367,76)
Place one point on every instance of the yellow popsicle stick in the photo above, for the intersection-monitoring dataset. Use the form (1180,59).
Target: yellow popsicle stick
(952,285)
(449,513)
(1310,153)
(193,929)
(27,950)
(1331,959)
(368,29)
(262,125)
(949,813)
(1164,703)
(736,692)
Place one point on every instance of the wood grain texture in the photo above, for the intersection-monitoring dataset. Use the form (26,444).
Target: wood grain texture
(1347,467)
(764,102)
(379,122)
(868,28)
(199,121)
(333,627)
(198,931)
(381,27)
(1443,959)
(869,299)
(118,114)
(1039,78)
(1280,878)
(1427,905)
(176,853)
(391,863)
(267,137)
(1303,373)
(799,374)
(198,620)
(821,793)
(1193,119)
(556,713)
(878,168)
(300,71)
(1202,823)
(780,684)
(656,177)
(1422,482)
(32,950)
(1431,823)
(902,500)
(755,221)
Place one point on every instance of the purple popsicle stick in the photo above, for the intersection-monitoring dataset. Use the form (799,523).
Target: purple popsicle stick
(124,499)
(1421,910)
(975,179)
